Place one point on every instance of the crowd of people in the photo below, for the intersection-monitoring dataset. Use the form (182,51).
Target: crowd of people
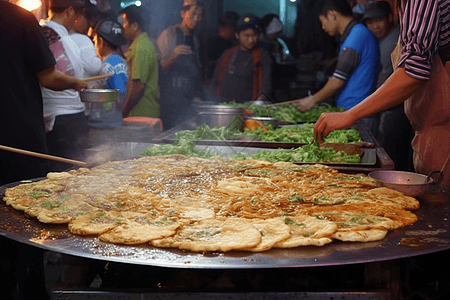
(162,79)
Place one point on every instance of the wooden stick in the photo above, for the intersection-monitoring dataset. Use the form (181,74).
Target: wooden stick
(98,77)
(44,156)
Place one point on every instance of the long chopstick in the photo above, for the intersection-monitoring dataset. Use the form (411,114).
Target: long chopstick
(98,77)
(44,156)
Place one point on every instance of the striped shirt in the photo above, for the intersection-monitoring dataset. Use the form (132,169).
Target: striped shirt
(425,29)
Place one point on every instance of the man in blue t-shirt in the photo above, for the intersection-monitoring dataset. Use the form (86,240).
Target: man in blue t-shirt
(107,38)
(356,73)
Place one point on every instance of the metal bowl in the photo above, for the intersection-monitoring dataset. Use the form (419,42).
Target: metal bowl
(410,184)
(99,95)
(221,115)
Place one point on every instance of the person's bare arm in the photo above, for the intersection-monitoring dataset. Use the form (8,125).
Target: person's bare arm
(179,50)
(331,88)
(56,80)
(135,92)
(396,89)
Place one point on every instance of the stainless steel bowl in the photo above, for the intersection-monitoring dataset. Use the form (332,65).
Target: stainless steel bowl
(408,183)
(221,115)
(99,95)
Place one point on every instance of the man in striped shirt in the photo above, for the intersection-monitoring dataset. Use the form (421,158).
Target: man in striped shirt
(358,64)
(421,78)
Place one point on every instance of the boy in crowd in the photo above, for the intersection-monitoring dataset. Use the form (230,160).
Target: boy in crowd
(356,73)
(107,38)
(243,72)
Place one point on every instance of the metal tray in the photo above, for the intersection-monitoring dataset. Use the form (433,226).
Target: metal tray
(131,150)
(430,234)
(169,137)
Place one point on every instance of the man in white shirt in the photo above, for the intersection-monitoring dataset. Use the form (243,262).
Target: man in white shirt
(63,111)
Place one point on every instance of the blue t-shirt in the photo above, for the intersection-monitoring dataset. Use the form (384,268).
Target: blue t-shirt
(109,115)
(363,81)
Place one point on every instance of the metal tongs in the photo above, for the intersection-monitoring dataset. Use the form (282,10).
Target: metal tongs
(441,172)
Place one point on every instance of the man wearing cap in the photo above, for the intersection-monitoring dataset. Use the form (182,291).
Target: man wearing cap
(64,117)
(141,58)
(243,73)
(181,66)
(395,131)
(356,72)
(379,19)
(107,38)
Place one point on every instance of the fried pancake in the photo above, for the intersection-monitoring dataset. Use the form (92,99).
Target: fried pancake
(272,231)
(138,228)
(354,221)
(360,235)
(95,223)
(306,230)
(216,235)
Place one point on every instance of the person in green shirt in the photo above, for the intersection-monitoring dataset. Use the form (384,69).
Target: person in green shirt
(141,57)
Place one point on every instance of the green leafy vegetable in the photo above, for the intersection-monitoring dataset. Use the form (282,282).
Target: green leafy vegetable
(286,112)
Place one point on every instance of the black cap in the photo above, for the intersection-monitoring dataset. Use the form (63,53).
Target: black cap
(248,21)
(111,31)
(376,10)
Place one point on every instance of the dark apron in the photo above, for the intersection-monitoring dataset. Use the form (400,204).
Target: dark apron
(178,87)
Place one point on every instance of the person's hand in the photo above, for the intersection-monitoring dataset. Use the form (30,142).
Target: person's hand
(305,104)
(79,85)
(182,50)
(328,122)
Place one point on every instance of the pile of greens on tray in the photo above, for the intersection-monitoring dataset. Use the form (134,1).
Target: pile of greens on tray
(286,112)
(204,132)
(289,134)
(303,134)
(183,146)
(311,152)
(308,153)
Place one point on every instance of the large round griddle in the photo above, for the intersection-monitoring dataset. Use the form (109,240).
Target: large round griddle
(430,234)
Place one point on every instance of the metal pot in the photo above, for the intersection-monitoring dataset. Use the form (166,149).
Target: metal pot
(204,105)
(408,183)
(99,95)
(221,115)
